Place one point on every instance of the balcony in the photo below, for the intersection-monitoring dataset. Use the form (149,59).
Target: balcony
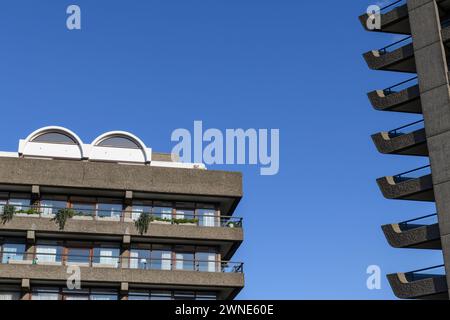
(429,284)
(402,97)
(398,56)
(394,18)
(225,277)
(414,233)
(397,141)
(408,186)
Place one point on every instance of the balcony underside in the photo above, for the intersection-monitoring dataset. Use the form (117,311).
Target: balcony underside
(414,143)
(414,236)
(419,189)
(227,239)
(394,21)
(400,60)
(407,100)
(227,284)
(430,287)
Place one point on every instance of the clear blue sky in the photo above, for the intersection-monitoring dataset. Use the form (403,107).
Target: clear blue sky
(150,67)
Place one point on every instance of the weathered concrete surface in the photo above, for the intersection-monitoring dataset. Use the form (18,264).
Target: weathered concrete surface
(407,100)
(393,21)
(429,288)
(420,189)
(419,237)
(413,143)
(400,60)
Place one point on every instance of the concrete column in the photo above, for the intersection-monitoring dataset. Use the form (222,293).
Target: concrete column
(26,289)
(432,71)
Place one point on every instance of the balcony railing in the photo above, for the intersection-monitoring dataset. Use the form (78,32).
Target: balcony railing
(120,262)
(425,220)
(407,174)
(424,273)
(400,130)
(395,45)
(391,6)
(204,220)
(400,86)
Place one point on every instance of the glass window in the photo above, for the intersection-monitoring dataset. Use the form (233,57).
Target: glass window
(109,210)
(161,295)
(162,211)
(2,205)
(206,261)
(13,252)
(106,256)
(48,253)
(161,259)
(54,137)
(20,204)
(206,296)
(138,209)
(78,256)
(139,295)
(184,295)
(207,217)
(104,295)
(84,209)
(184,211)
(119,142)
(45,294)
(76,294)
(184,261)
(51,207)
(140,259)
(9,295)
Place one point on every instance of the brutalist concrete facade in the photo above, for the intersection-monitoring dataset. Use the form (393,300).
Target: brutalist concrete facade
(219,234)
(424,53)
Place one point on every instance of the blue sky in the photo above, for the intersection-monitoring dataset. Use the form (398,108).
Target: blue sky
(150,67)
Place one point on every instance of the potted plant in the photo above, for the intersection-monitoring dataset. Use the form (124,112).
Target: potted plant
(190,222)
(61,217)
(162,220)
(143,222)
(7,213)
(27,212)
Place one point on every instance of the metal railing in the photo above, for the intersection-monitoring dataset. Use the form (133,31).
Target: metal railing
(392,5)
(398,131)
(395,45)
(204,220)
(403,175)
(400,85)
(407,223)
(121,262)
(418,274)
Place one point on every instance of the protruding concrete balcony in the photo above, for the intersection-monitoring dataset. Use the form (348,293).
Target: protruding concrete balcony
(396,141)
(414,233)
(406,187)
(394,18)
(402,97)
(398,56)
(429,283)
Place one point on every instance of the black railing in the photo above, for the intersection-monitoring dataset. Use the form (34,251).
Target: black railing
(406,223)
(394,88)
(394,45)
(418,275)
(116,262)
(403,174)
(204,220)
(398,131)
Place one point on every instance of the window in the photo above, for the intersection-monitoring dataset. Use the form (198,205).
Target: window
(104,295)
(84,209)
(20,204)
(50,207)
(9,295)
(119,142)
(206,261)
(206,296)
(45,294)
(161,259)
(140,259)
(162,210)
(207,217)
(184,295)
(184,211)
(106,256)
(109,210)
(48,253)
(75,294)
(139,295)
(138,209)
(78,256)
(13,252)
(184,258)
(54,137)
(161,295)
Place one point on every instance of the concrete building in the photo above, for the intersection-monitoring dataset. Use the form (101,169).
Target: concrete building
(132,223)
(423,53)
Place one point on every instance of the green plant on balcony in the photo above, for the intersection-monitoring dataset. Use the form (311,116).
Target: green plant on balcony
(30,211)
(7,213)
(143,222)
(162,219)
(62,216)
(185,221)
